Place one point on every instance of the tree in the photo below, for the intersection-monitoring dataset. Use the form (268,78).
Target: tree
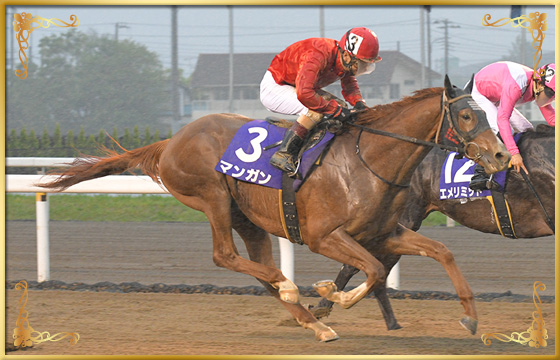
(101,137)
(136,141)
(33,141)
(45,144)
(147,137)
(57,139)
(81,140)
(70,144)
(13,142)
(91,81)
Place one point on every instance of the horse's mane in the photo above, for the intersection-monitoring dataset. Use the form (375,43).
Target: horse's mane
(380,111)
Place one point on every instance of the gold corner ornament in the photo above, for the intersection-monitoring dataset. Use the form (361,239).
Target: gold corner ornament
(24,335)
(535,23)
(535,336)
(24,26)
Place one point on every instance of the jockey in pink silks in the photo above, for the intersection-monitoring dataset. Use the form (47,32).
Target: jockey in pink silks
(497,89)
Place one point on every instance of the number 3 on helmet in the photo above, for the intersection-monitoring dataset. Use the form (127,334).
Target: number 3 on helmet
(547,73)
(362,43)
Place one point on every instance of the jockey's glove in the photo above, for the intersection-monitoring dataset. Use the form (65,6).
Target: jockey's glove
(360,106)
(341,114)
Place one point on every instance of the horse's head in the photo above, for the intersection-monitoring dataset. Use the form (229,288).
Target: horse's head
(465,123)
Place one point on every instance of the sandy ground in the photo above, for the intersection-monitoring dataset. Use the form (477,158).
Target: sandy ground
(198,324)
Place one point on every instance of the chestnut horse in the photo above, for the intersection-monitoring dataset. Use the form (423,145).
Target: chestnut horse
(529,217)
(346,212)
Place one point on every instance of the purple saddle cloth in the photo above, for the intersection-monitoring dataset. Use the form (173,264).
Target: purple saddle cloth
(456,176)
(247,160)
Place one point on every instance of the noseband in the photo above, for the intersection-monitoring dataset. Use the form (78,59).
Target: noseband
(464,137)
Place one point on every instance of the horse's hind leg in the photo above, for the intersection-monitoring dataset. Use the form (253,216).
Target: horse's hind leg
(259,247)
(408,242)
(216,205)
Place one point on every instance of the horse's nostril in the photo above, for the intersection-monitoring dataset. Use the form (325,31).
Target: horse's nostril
(502,157)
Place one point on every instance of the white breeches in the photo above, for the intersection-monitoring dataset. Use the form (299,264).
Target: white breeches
(280,98)
(517,121)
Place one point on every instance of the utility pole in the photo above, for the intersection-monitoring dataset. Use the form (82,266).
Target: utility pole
(422,50)
(117,27)
(230,10)
(12,38)
(429,41)
(523,41)
(174,72)
(322,21)
(446,27)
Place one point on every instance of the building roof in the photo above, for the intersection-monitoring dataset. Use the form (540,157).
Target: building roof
(384,70)
(213,69)
(249,68)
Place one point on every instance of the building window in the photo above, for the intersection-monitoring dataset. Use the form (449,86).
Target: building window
(394,91)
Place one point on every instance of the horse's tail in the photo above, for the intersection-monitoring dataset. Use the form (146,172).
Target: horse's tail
(146,158)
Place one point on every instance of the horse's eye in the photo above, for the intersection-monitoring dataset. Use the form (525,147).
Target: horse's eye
(466,117)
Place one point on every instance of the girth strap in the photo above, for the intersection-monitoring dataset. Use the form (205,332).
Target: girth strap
(288,211)
(502,213)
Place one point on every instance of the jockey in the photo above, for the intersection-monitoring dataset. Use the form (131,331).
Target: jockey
(497,89)
(294,80)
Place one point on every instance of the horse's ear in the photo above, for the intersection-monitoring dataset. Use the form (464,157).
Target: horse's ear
(470,84)
(448,87)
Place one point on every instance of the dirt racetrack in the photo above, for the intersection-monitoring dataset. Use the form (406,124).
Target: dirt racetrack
(202,324)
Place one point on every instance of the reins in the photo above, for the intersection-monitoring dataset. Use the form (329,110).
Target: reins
(445,110)
(532,188)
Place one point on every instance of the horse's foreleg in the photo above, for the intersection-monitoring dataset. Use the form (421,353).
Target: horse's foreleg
(341,247)
(386,308)
(259,247)
(408,242)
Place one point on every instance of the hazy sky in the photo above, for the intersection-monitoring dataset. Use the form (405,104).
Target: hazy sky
(204,29)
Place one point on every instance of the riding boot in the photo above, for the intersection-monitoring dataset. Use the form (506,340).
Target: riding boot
(286,156)
(480,180)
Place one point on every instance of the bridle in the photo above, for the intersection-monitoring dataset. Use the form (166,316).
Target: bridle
(464,137)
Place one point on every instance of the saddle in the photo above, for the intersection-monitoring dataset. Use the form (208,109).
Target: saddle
(315,135)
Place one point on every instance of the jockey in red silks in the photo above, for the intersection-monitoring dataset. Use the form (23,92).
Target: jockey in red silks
(294,80)
(497,89)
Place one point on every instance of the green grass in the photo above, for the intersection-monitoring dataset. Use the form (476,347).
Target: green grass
(104,208)
(435,219)
(143,208)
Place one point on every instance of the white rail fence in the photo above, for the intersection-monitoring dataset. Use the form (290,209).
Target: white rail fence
(112,184)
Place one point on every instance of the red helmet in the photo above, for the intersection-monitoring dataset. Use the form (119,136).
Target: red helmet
(362,43)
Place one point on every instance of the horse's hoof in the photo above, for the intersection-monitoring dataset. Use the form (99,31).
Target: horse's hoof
(323,333)
(327,335)
(394,326)
(469,324)
(325,288)
(319,311)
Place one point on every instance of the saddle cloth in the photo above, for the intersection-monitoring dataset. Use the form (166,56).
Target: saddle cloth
(456,175)
(246,158)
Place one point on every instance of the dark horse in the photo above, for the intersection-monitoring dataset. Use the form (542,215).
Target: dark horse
(529,217)
(346,212)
